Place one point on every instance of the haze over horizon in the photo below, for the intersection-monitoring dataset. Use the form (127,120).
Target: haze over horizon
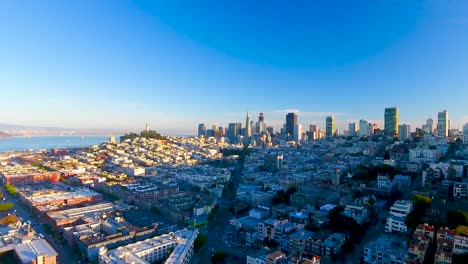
(118,65)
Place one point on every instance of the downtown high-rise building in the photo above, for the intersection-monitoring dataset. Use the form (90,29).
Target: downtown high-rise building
(329,127)
(201,130)
(404,132)
(465,134)
(429,126)
(297,133)
(260,127)
(248,127)
(234,130)
(442,124)
(391,121)
(352,129)
(364,128)
(291,121)
(270,130)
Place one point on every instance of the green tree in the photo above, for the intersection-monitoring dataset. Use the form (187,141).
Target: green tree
(199,242)
(451,173)
(219,257)
(5,206)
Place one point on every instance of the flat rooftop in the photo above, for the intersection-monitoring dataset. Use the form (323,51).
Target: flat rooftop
(29,251)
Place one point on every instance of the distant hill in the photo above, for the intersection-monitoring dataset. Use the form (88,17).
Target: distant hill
(9,130)
(5,135)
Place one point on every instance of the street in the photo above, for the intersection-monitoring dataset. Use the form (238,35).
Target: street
(217,230)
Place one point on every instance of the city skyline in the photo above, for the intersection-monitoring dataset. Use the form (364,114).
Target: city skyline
(121,65)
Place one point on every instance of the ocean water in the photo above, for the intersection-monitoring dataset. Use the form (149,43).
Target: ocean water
(50,142)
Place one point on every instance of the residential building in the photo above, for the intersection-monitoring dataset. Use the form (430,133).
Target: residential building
(330,127)
(442,124)
(424,155)
(173,248)
(333,244)
(404,132)
(465,134)
(391,121)
(299,240)
(398,212)
(385,250)
(460,245)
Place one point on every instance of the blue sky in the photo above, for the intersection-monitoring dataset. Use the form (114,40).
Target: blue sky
(174,64)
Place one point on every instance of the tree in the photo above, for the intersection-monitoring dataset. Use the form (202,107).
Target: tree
(199,242)
(456,218)
(451,173)
(219,257)
(5,206)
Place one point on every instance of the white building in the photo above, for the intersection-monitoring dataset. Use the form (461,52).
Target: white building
(424,155)
(297,133)
(460,245)
(398,212)
(363,128)
(179,245)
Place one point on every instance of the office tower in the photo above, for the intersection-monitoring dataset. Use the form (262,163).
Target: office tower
(312,128)
(297,133)
(329,127)
(465,134)
(222,131)
(442,124)
(234,130)
(201,130)
(404,132)
(449,124)
(291,121)
(269,129)
(363,128)
(391,122)
(352,129)
(260,118)
(248,127)
(260,126)
(429,126)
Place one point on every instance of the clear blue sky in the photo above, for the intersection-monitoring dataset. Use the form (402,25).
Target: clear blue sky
(174,64)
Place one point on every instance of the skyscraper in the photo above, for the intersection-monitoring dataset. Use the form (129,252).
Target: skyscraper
(329,127)
(391,122)
(260,126)
(233,131)
(442,124)
(352,129)
(404,132)
(291,121)
(429,126)
(363,128)
(297,133)
(270,130)
(201,130)
(465,134)
(248,127)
